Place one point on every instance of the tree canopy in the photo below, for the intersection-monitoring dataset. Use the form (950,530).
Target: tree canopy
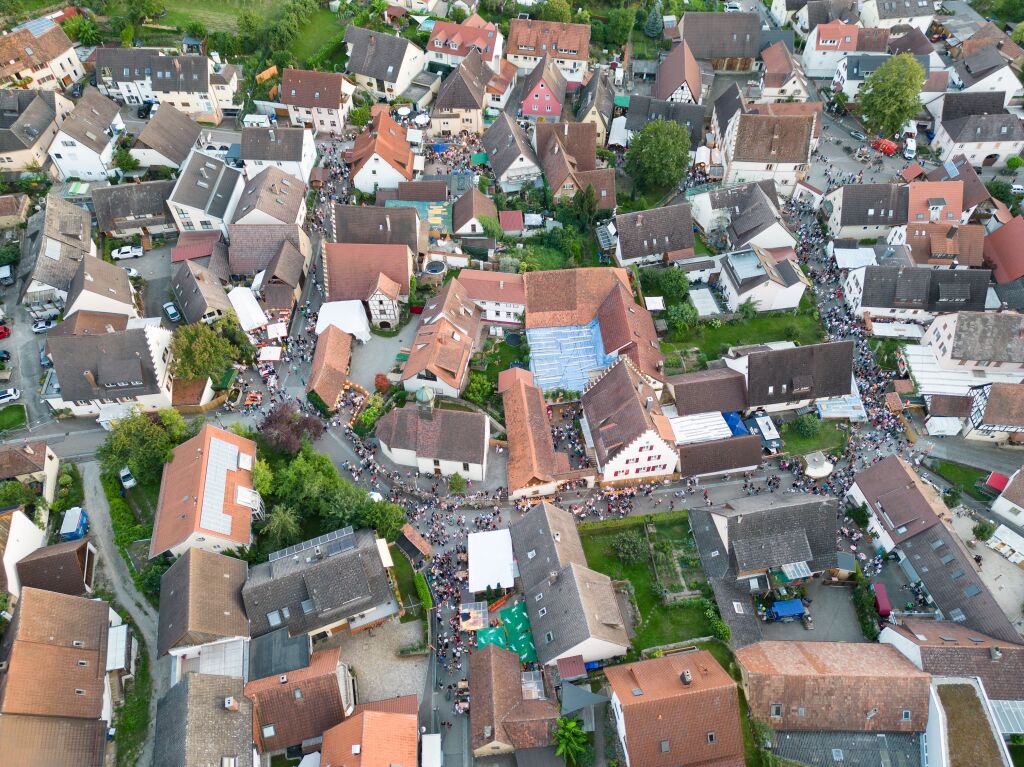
(556,10)
(659,154)
(198,352)
(891,95)
(285,428)
(143,442)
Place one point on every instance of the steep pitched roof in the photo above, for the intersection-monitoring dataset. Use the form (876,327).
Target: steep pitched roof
(768,532)
(273,192)
(89,122)
(102,279)
(446,336)
(86,363)
(773,138)
(1003,252)
(329,370)
(627,330)
(194,728)
(667,230)
(619,407)
(376,54)
(473,34)
(272,144)
(932,290)
(473,204)
(448,435)
(976,67)
(351,270)
(296,717)
(54,740)
(372,739)
(214,470)
(197,290)
(545,540)
(597,94)
(378,226)
(67,239)
(505,143)
(465,85)
(20,460)
(201,600)
(532,458)
(900,500)
(1005,405)
(28,117)
(499,712)
(834,685)
(129,206)
(676,69)
(717,36)
(565,297)
(668,718)
(531,37)
(48,637)
(60,568)
(255,246)
(21,49)
(803,372)
(873,204)
(643,109)
(171,133)
(312,89)
(547,71)
(718,389)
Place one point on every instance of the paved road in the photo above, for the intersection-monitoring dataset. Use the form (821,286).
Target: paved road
(120,581)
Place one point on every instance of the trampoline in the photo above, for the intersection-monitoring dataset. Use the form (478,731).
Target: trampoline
(564,357)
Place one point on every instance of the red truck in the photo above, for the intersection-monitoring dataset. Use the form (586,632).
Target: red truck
(885,146)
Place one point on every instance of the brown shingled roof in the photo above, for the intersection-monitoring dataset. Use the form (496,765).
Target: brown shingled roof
(311,89)
(387,139)
(532,458)
(531,37)
(773,138)
(677,68)
(566,297)
(329,371)
(60,567)
(19,460)
(351,270)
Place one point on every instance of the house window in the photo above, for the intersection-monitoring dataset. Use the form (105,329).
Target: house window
(307,606)
(776,709)
(664,746)
(79,692)
(465,466)
(269,731)
(711,737)
(531,553)
(542,612)
(549,638)
(540,596)
(906,715)
(274,618)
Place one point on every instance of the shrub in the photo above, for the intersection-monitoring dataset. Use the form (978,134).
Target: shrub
(423,591)
(456,483)
(630,547)
(806,426)
(984,530)
(381,383)
(864,604)
(859,514)
(316,401)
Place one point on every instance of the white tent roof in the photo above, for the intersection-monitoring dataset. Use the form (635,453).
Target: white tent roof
(854,258)
(618,135)
(943,426)
(250,315)
(277,330)
(270,354)
(490,560)
(344,315)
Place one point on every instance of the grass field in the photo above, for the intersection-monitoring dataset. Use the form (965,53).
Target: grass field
(322,26)
(660,624)
(829,437)
(801,328)
(12,417)
(403,575)
(218,15)
(963,477)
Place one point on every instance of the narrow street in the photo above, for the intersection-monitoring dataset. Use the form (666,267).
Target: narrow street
(119,580)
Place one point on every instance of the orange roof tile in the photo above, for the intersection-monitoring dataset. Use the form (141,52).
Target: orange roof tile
(566,297)
(530,37)
(331,360)
(532,458)
(372,739)
(493,286)
(352,270)
(184,488)
(460,39)
(386,139)
(446,337)
(945,196)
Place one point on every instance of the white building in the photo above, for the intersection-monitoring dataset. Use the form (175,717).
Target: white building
(290,149)
(623,423)
(769,147)
(140,75)
(319,101)
(206,194)
(23,537)
(896,13)
(99,286)
(748,215)
(985,72)
(167,140)
(1010,503)
(66,239)
(84,146)
(272,196)
(914,294)
(40,54)
(382,63)
(500,296)
(754,275)
(450,43)
(409,437)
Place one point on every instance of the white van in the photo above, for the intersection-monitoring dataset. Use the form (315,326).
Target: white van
(909,148)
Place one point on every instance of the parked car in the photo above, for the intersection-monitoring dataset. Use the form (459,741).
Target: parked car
(133,273)
(41,326)
(909,149)
(885,146)
(733,8)
(859,135)
(127,251)
(127,480)
(4,355)
(1017,188)
(76,90)
(145,110)
(172,312)
(9,395)
(5,332)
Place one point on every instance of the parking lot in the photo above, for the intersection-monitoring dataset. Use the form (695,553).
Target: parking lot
(834,618)
(155,269)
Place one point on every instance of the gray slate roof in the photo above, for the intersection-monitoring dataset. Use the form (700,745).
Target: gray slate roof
(597,91)
(129,206)
(505,143)
(90,120)
(101,278)
(194,729)
(465,86)
(206,183)
(643,109)
(116,357)
(980,65)
(803,372)
(985,128)
(726,106)
(824,11)
(858,749)
(658,230)
(933,290)
(719,36)
(989,336)
(375,54)
(751,208)
(895,9)
(860,65)
(449,435)
(545,540)
(378,226)
(766,532)
(171,133)
(874,204)
(953,583)
(716,390)
(272,144)
(339,587)
(579,604)
(25,116)
(71,228)
(277,653)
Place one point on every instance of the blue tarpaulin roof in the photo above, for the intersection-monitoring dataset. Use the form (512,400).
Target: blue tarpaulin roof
(439,147)
(788,607)
(735,422)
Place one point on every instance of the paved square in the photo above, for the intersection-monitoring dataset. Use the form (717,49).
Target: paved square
(373,658)
(834,618)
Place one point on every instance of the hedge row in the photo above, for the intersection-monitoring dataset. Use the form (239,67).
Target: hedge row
(423,591)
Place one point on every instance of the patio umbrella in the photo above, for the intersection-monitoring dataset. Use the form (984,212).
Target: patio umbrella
(404,112)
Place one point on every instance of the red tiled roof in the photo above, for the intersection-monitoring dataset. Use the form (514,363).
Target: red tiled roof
(511,220)
(1003,251)
(194,245)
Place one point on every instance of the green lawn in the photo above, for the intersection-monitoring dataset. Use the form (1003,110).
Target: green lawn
(660,624)
(131,720)
(1017,754)
(12,417)
(143,500)
(219,16)
(803,329)
(830,437)
(700,248)
(963,477)
(403,575)
(501,358)
(322,26)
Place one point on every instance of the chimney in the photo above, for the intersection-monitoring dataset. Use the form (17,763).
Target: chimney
(649,403)
(283,679)
(29,450)
(356,748)
(271,134)
(230,704)
(687,677)
(995,653)
(89,377)
(387,220)
(552,577)
(318,553)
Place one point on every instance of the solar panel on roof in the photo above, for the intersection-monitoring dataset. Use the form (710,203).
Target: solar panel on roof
(339,540)
(950,167)
(223,458)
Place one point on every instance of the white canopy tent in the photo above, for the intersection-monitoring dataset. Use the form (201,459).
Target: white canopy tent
(618,135)
(344,315)
(277,330)
(491,562)
(270,354)
(250,315)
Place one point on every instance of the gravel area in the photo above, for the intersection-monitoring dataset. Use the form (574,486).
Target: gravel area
(373,658)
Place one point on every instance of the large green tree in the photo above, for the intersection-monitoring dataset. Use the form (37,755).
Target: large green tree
(282,526)
(655,22)
(620,21)
(198,351)
(570,740)
(556,10)
(384,517)
(139,442)
(659,154)
(891,95)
